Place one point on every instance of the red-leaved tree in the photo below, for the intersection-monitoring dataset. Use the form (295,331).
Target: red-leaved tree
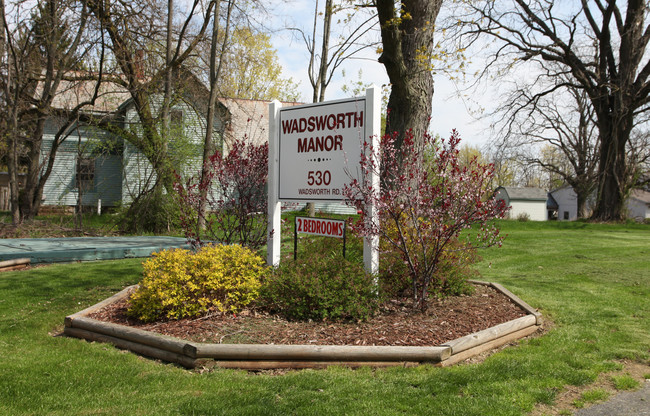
(235,199)
(426,200)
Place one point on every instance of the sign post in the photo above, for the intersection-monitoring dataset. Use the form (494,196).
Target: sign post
(314,151)
(273,236)
(371,244)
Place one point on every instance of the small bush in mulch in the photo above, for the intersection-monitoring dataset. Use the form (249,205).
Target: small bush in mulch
(179,284)
(321,286)
(454,268)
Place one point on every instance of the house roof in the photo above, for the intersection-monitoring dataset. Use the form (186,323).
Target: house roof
(528,194)
(243,117)
(248,118)
(641,195)
(77,89)
(551,203)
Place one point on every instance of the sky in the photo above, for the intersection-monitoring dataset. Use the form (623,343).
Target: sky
(450,109)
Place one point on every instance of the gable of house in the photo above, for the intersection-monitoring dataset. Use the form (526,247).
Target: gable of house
(567,201)
(187,126)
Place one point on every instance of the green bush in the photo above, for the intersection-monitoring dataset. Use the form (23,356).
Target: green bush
(322,286)
(450,279)
(151,212)
(179,284)
(523,217)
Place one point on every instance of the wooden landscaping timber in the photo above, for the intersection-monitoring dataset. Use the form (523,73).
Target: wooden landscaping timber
(116,297)
(479,282)
(257,357)
(487,335)
(519,302)
(461,356)
(16,267)
(241,352)
(523,305)
(14,264)
(140,336)
(136,347)
(295,365)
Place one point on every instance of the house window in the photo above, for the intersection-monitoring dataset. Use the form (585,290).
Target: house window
(566,215)
(85,174)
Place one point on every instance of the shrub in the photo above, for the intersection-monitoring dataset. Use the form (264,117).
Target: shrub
(321,287)
(180,284)
(450,279)
(154,211)
(430,199)
(228,204)
(523,217)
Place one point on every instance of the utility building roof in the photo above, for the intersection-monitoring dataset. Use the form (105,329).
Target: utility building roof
(528,194)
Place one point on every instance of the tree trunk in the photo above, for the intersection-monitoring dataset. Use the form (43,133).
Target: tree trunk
(30,201)
(12,167)
(208,144)
(407,48)
(324,58)
(613,184)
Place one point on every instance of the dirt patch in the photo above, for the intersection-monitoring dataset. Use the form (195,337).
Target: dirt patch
(565,402)
(395,324)
(44,229)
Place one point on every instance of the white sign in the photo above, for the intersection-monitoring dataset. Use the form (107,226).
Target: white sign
(320,226)
(313,151)
(318,145)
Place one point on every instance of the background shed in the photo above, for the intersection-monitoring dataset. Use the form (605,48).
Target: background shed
(530,202)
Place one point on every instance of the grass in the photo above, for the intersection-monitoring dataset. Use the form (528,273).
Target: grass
(592,280)
(625,382)
(591,396)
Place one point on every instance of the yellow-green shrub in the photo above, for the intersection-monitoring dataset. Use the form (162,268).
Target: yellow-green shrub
(179,284)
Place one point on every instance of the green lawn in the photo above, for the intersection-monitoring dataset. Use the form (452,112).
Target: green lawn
(592,280)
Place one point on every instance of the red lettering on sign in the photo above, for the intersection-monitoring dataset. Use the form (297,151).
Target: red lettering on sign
(320,226)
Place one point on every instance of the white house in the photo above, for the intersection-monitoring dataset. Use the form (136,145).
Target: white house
(638,205)
(567,203)
(524,202)
(637,208)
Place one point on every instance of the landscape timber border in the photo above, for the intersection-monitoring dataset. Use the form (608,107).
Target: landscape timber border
(14,264)
(263,356)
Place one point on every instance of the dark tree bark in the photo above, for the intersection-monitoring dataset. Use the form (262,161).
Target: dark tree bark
(407,38)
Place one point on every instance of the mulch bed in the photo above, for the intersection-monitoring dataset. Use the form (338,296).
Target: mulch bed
(396,323)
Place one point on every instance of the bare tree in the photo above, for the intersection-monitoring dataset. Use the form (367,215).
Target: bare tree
(43,46)
(216,60)
(601,45)
(326,57)
(324,63)
(556,131)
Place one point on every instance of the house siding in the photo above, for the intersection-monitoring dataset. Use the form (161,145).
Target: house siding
(533,207)
(567,202)
(139,174)
(638,210)
(536,210)
(61,188)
